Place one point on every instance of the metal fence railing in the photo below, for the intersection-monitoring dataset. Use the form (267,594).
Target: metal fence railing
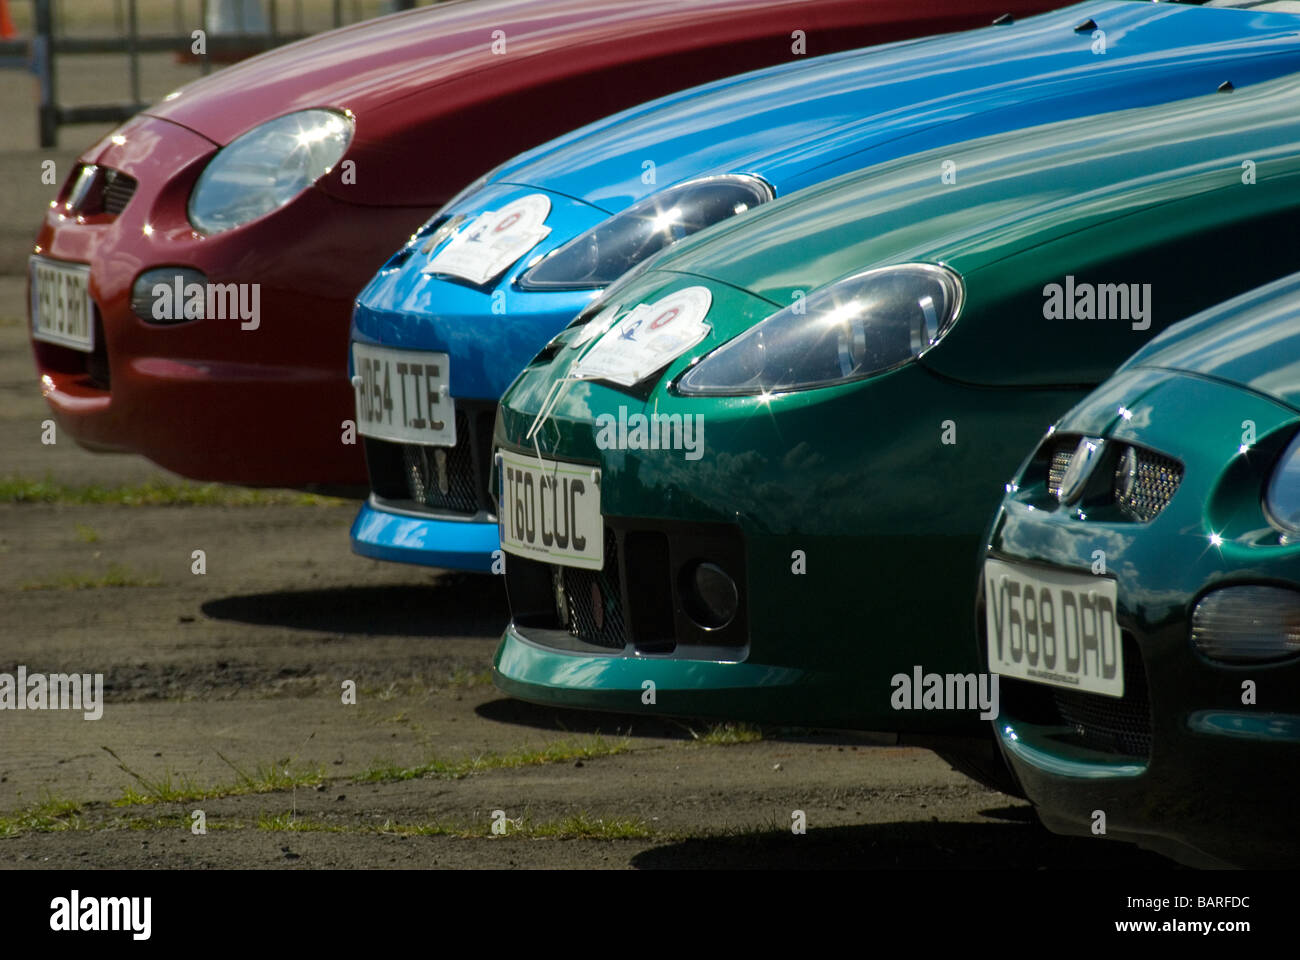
(233,29)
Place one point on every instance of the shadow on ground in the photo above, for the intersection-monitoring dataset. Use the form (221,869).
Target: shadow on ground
(542,717)
(523,714)
(903,846)
(454,605)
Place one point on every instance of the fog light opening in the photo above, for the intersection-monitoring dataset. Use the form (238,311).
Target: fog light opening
(709,594)
(160,295)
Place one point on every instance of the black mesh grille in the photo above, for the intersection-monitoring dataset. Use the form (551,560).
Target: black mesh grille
(1153,483)
(1144,481)
(446,479)
(1119,725)
(443,477)
(118,190)
(589,603)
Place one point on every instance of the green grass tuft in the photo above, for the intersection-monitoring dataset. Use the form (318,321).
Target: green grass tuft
(116,576)
(559,752)
(727,734)
(156,493)
(48,815)
(170,787)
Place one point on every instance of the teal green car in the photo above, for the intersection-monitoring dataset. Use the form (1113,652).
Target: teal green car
(1142,596)
(752,479)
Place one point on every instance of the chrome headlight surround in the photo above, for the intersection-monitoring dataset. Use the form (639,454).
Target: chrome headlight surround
(614,246)
(854,328)
(262,170)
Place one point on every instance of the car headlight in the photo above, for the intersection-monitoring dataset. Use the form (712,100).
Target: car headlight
(264,169)
(852,329)
(1282,501)
(611,248)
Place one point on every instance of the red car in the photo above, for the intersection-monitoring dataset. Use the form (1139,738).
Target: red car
(191,286)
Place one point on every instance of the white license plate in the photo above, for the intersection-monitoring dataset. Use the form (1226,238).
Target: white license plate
(1053,627)
(550,511)
(62,311)
(402,395)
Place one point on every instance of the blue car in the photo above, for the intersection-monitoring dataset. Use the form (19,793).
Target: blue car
(443,328)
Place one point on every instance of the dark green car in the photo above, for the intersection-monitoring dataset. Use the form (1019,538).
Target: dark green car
(1142,596)
(751,480)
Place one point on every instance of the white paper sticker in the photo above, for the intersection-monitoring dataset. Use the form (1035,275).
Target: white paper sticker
(595,326)
(648,338)
(487,246)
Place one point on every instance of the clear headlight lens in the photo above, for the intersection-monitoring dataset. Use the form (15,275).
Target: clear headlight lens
(854,328)
(267,167)
(608,250)
(1283,498)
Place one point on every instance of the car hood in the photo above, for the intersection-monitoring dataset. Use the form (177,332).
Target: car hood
(391,58)
(1012,193)
(413,80)
(1136,194)
(836,110)
(1252,341)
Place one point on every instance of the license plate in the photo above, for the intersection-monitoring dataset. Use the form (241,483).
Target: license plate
(1053,627)
(402,395)
(62,311)
(550,511)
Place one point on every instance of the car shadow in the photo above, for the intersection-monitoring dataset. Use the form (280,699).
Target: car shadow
(524,714)
(454,605)
(541,717)
(911,845)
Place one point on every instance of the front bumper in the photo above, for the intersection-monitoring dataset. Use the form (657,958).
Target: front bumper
(383,533)
(263,406)
(489,335)
(847,575)
(543,674)
(1180,764)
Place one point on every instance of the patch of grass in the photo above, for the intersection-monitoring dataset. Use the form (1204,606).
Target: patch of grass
(291,823)
(52,814)
(156,493)
(431,829)
(48,815)
(461,677)
(116,576)
(727,734)
(178,788)
(86,533)
(559,752)
(582,826)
